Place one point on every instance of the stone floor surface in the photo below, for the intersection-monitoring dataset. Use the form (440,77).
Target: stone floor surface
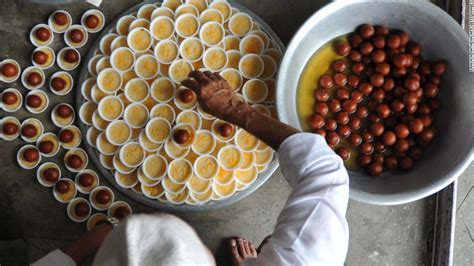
(32,223)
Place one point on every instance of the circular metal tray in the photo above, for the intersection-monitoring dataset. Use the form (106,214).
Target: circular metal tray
(94,155)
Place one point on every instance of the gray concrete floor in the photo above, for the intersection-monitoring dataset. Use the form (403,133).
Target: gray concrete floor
(396,235)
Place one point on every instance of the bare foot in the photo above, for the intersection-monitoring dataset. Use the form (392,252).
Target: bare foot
(240,249)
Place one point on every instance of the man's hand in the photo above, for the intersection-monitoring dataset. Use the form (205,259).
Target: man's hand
(216,97)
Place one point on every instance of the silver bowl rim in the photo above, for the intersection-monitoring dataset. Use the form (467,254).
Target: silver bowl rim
(358,195)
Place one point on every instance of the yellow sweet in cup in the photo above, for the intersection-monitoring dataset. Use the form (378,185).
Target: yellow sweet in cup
(162,28)
(229,157)
(240,24)
(223,7)
(175,152)
(118,132)
(232,42)
(139,39)
(233,58)
(206,167)
(246,141)
(212,33)
(198,185)
(180,171)
(190,117)
(191,49)
(179,70)
(136,90)
(270,67)
(204,143)
(109,80)
(147,66)
(162,89)
(110,108)
(166,51)
(147,144)
(155,166)
(211,15)
(163,110)
(263,157)
(158,129)
(246,177)
(104,146)
(224,177)
(248,160)
(252,44)
(233,77)
(171,186)
(186,9)
(187,25)
(201,5)
(251,66)
(255,91)
(136,115)
(215,59)
(132,154)
(225,191)
(122,59)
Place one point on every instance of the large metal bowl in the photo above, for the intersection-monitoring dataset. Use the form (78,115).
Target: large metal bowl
(441,37)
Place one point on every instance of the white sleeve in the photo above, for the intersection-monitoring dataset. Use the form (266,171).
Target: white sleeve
(55,258)
(312,228)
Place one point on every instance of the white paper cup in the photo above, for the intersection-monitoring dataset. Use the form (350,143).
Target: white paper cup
(206,167)
(255,91)
(63,64)
(132,109)
(251,66)
(215,129)
(40,172)
(71,194)
(125,151)
(13,78)
(24,78)
(77,137)
(102,64)
(128,180)
(152,192)
(123,24)
(94,219)
(38,43)
(162,89)
(106,42)
(215,59)
(145,11)
(211,15)
(12,107)
(59,28)
(9,119)
(115,206)
(70,42)
(236,24)
(240,140)
(62,122)
(183,28)
(176,172)
(49,137)
(155,161)
(212,33)
(71,212)
(275,54)
(50,60)
(119,41)
(139,23)
(80,187)
(157,28)
(233,77)
(162,11)
(99,15)
(107,161)
(179,70)
(191,132)
(224,191)
(107,74)
(186,9)
(68,80)
(252,44)
(137,90)
(192,49)
(142,67)
(174,151)
(36,123)
(22,162)
(262,109)
(44,104)
(95,204)
(91,65)
(158,124)
(229,152)
(118,58)
(144,35)
(82,154)
(86,87)
(165,111)
(121,126)
(223,7)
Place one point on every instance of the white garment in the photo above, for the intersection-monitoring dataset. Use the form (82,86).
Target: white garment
(311,229)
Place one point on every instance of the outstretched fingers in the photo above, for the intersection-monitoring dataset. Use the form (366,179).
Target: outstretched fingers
(191,84)
(199,76)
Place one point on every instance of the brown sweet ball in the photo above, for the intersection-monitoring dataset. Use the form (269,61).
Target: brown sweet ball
(86,179)
(379,147)
(374,118)
(317,121)
(370,70)
(51,174)
(29,131)
(381,30)
(31,155)
(10,128)
(389,138)
(379,158)
(378,95)
(340,79)
(9,70)
(321,108)
(410,98)
(355,56)
(362,111)
(401,145)
(393,41)
(321,94)
(76,35)
(34,101)
(66,136)
(397,106)
(60,18)
(427,120)
(399,72)
(353,81)
(121,212)
(376,129)
(435,79)
(427,134)
(378,41)
(344,153)
(344,131)
(181,136)
(81,209)
(357,96)
(58,84)
(320,131)
(75,161)
(339,65)
(226,130)
(406,163)
(355,139)
(402,131)
(400,60)
(358,68)
(46,146)
(438,68)
(330,124)
(343,48)
(412,83)
(382,68)
(92,21)
(355,40)
(365,87)
(64,111)
(62,186)
(342,118)
(103,197)
(335,105)
(430,90)
(366,148)
(391,162)
(355,123)
(364,160)
(42,34)
(186,96)
(377,80)
(366,136)
(411,109)
(416,125)
(414,48)
(349,106)
(40,57)
(378,56)
(333,138)
(343,94)
(9,97)
(375,169)
(34,79)
(366,31)
(326,81)
(383,111)
(366,48)
(424,109)
(71,56)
